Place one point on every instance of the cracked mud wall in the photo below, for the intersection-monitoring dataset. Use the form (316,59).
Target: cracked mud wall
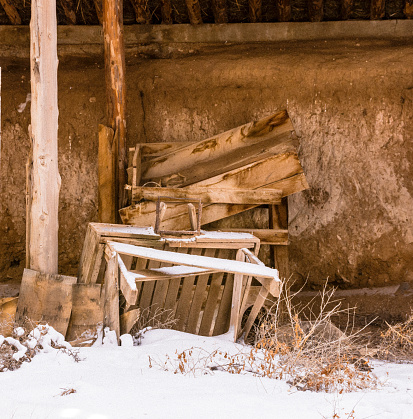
(351,104)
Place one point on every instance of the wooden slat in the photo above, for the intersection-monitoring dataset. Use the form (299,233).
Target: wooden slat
(87,310)
(222,321)
(128,320)
(129,291)
(111,296)
(211,195)
(184,302)
(235,318)
(212,299)
(97,265)
(278,219)
(46,298)
(199,294)
(210,149)
(125,231)
(258,304)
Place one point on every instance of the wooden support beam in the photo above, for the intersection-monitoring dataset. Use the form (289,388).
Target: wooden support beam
(166,12)
(69,9)
(315,10)
(141,11)
(11,12)
(45,178)
(408,9)
(255,10)
(211,195)
(116,91)
(283,10)
(99,10)
(377,9)
(219,9)
(194,12)
(346,6)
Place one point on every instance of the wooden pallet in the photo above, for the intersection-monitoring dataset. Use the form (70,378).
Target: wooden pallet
(206,295)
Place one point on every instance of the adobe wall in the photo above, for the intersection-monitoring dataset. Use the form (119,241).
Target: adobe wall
(351,103)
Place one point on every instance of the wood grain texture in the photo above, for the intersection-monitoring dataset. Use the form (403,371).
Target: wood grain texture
(45,298)
(111,295)
(45,178)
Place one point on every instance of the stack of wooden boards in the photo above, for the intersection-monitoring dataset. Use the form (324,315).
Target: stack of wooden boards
(205,283)
(252,165)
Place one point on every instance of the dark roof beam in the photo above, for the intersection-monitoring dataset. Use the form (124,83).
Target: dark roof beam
(11,12)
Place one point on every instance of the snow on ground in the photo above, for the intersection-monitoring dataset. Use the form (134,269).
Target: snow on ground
(117,382)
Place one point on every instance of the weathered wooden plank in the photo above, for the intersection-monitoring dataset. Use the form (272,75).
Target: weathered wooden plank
(235,318)
(111,295)
(282,172)
(147,288)
(212,302)
(266,235)
(129,291)
(114,53)
(128,320)
(278,219)
(217,146)
(222,321)
(377,9)
(125,231)
(211,195)
(46,298)
(88,256)
(87,310)
(11,12)
(199,294)
(45,178)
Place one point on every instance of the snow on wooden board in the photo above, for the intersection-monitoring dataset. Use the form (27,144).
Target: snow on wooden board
(122,229)
(223,265)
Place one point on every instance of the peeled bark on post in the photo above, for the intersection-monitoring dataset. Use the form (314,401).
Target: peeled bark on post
(377,9)
(11,12)
(45,178)
(283,10)
(194,12)
(115,91)
(166,12)
(255,10)
(315,10)
(408,9)
(219,9)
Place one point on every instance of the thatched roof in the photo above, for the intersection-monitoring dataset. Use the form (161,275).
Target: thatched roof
(86,12)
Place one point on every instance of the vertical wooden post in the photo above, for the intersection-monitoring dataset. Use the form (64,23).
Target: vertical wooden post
(45,178)
(115,91)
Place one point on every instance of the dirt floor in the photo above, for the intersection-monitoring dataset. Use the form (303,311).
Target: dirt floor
(351,103)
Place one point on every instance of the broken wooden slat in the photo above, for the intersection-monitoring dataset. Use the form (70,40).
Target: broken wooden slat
(11,12)
(126,231)
(199,294)
(211,195)
(127,285)
(128,320)
(147,288)
(111,295)
(218,146)
(88,256)
(45,298)
(87,310)
(278,219)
